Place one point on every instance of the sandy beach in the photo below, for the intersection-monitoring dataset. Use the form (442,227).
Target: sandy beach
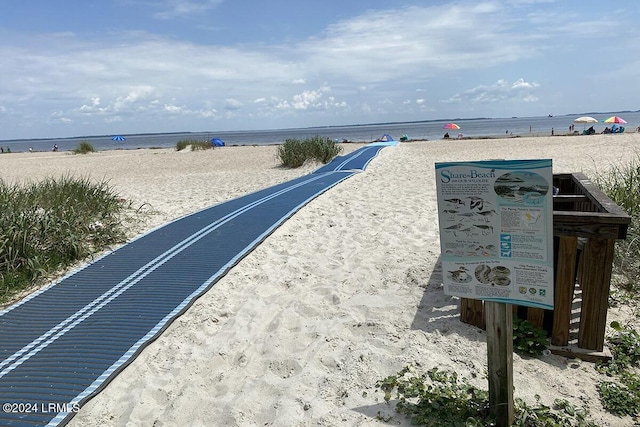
(343,294)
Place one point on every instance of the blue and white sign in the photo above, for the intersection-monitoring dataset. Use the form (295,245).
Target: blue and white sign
(496,230)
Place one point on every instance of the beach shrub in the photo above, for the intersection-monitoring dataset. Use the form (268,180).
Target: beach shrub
(295,152)
(52,224)
(83,148)
(440,398)
(323,149)
(195,145)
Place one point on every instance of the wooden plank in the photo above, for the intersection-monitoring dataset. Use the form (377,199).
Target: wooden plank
(472,312)
(464,312)
(570,198)
(479,311)
(535,316)
(586,216)
(563,292)
(595,281)
(590,230)
(573,352)
(597,196)
(500,361)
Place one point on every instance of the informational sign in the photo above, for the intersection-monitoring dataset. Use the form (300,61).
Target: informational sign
(496,230)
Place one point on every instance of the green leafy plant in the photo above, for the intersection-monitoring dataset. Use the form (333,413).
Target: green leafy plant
(441,398)
(625,344)
(528,339)
(623,397)
(621,394)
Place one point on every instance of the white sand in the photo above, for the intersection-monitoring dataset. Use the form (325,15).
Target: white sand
(345,293)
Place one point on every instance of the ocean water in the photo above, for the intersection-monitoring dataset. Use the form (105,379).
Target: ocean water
(426,130)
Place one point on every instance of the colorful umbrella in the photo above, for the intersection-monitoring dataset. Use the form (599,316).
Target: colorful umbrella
(451,126)
(118,138)
(615,119)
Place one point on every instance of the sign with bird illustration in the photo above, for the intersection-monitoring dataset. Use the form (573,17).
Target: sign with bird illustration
(496,230)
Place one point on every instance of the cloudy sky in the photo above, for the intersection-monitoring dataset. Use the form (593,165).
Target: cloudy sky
(84,67)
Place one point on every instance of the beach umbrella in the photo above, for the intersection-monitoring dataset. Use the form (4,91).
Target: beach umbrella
(615,119)
(217,142)
(585,119)
(451,126)
(118,138)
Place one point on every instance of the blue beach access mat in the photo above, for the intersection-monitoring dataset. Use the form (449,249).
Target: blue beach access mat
(63,344)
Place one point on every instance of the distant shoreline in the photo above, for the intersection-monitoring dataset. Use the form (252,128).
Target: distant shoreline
(569,116)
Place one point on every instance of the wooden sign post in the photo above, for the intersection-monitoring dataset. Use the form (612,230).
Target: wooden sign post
(500,361)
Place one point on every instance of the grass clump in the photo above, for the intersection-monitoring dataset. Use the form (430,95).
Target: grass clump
(83,148)
(195,145)
(52,224)
(295,152)
(440,398)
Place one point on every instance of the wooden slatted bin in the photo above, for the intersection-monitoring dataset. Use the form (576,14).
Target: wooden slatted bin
(586,225)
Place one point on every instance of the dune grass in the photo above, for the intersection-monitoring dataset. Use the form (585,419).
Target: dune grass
(52,224)
(195,145)
(295,152)
(84,147)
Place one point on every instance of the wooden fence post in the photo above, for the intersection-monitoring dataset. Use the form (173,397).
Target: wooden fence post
(500,361)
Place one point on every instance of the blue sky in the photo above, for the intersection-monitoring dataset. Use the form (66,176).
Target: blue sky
(78,68)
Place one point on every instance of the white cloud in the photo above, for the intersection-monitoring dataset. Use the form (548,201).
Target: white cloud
(500,91)
(172,108)
(233,104)
(180,8)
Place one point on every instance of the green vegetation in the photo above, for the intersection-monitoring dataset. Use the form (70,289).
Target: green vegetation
(528,339)
(621,394)
(194,144)
(440,398)
(52,224)
(83,148)
(295,152)
(622,185)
